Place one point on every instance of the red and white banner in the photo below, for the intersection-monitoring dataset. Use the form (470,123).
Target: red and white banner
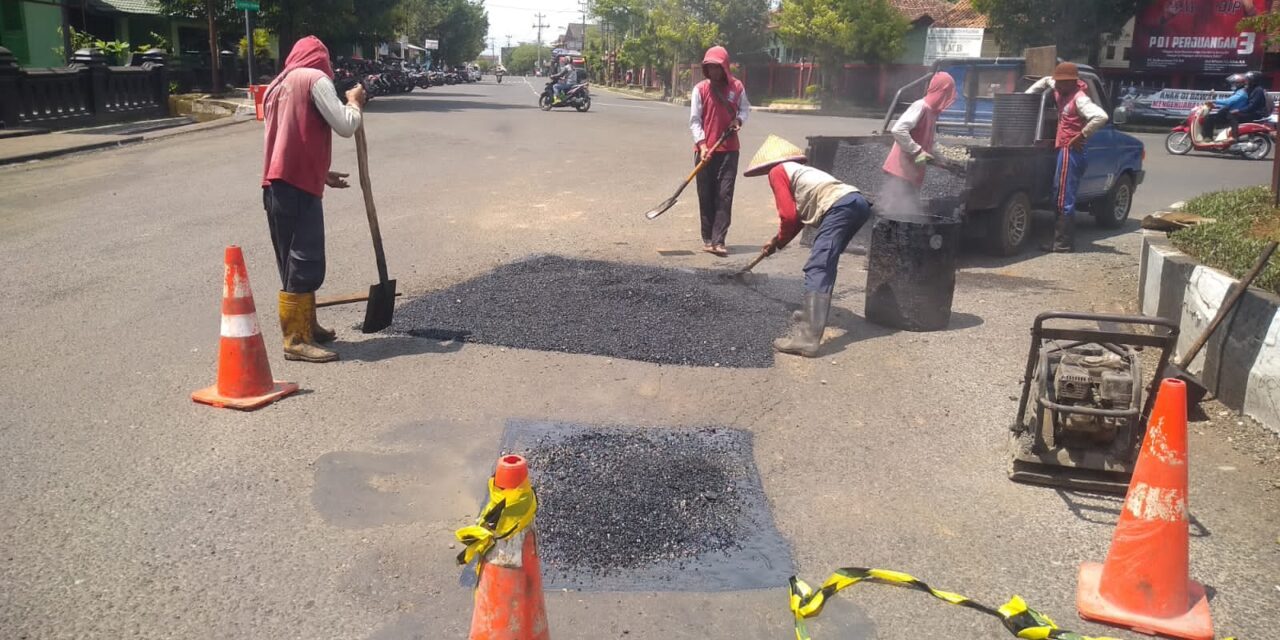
(1196,36)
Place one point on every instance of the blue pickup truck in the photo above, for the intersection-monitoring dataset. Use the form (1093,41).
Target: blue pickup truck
(1005,184)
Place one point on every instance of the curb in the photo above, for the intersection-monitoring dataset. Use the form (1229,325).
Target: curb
(196,128)
(46,154)
(53,153)
(1241,362)
(632,94)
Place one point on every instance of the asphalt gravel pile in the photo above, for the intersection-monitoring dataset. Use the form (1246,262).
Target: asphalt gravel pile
(861,166)
(649,508)
(620,500)
(665,316)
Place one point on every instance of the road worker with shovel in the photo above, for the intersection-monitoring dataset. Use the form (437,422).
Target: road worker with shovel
(804,196)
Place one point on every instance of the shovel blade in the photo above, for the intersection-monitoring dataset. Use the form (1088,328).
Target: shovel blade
(381,307)
(661,209)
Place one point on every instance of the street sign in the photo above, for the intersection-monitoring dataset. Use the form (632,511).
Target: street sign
(247,5)
(431,44)
(952,43)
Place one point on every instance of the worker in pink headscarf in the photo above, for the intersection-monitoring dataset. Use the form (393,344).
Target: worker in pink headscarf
(913,132)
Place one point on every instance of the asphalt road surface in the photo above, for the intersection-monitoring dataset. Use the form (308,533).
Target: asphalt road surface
(128,511)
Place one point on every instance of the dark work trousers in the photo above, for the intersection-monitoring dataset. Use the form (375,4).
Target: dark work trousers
(1070,168)
(1218,120)
(296,219)
(715,195)
(835,230)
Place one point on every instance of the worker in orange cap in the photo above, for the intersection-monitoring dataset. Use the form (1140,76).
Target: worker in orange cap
(1078,118)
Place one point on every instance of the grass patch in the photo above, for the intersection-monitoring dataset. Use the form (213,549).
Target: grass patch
(782,102)
(1246,221)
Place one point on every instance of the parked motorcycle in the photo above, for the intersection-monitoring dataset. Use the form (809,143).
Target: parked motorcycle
(577,96)
(1254,143)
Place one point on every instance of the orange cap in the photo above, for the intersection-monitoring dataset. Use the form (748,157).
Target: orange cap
(1066,71)
(512,472)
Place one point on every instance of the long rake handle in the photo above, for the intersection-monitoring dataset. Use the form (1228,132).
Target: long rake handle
(698,167)
(1237,292)
(751,265)
(366,187)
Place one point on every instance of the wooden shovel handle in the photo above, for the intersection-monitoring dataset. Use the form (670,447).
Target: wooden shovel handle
(1237,292)
(751,265)
(366,187)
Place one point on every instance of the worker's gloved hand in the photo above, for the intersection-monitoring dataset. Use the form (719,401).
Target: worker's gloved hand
(924,157)
(771,247)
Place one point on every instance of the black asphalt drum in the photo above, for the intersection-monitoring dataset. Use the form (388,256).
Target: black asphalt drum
(911,272)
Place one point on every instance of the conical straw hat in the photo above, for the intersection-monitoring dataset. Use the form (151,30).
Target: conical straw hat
(773,151)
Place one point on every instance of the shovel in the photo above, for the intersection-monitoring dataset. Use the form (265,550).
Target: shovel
(741,274)
(671,202)
(382,296)
(1178,370)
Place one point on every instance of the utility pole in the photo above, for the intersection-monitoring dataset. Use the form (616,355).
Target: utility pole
(539,26)
(215,53)
(583,4)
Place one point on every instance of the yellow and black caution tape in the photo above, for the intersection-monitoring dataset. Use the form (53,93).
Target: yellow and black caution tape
(508,512)
(1022,621)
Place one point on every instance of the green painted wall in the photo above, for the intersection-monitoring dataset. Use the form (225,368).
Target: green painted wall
(42,22)
(913,50)
(12,34)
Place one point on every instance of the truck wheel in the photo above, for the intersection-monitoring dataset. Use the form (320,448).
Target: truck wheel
(1009,227)
(1111,211)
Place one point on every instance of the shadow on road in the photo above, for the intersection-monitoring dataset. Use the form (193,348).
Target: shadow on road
(1096,508)
(856,329)
(389,347)
(427,103)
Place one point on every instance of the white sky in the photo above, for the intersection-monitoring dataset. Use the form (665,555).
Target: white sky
(515,18)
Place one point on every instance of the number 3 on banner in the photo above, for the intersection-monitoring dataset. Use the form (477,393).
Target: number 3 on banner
(1246,43)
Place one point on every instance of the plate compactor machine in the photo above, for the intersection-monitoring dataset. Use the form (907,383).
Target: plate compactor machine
(1084,405)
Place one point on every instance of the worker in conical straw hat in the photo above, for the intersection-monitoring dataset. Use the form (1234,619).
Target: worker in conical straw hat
(804,196)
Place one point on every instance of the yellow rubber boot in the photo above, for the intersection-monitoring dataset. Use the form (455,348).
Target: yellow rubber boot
(296,313)
(321,334)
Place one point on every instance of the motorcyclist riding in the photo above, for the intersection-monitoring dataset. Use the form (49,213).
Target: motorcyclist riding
(1229,110)
(1257,108)
(564,79)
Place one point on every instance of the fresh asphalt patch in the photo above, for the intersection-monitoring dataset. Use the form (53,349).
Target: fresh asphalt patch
(634,312)
(649,508)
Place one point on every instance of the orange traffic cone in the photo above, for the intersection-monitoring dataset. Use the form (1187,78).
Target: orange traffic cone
(1144,584)
(509,603)
(244,375)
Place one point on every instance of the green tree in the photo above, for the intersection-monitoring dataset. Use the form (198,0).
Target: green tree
(742,24)
(524,57)
(1074,26)
(866,30)
(816,26)
(459,25)
(1266,25)
(214,13)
